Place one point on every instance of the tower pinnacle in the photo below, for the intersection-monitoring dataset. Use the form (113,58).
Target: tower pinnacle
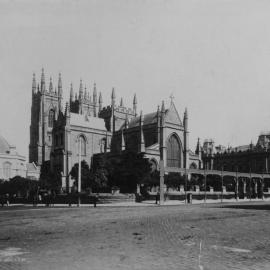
(34,84)
(71,92)
(51,86)
(95,94)
(42,83)
(60,90)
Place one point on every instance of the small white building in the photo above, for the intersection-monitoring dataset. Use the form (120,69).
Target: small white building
(11,163)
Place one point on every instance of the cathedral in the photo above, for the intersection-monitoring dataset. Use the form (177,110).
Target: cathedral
(85,127)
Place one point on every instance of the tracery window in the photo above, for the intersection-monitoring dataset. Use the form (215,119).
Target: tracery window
(173,152)
(51,118)
(83,145)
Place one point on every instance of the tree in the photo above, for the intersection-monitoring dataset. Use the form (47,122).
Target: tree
(174,180)
(49,180)
(85,175)
(19,185)
(99,179)
(127,170)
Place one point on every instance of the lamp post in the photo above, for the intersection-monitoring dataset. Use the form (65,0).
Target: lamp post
(79,173)
(221,183)
(186,185)
(204,186)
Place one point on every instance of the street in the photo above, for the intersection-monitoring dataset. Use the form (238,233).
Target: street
(234,236)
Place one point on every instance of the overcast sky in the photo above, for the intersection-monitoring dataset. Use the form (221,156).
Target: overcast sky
(213,55)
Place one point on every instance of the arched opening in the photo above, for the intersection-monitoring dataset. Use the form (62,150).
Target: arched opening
(51,118)
(173,152)
(83,145)
(153,165)
(193,165)
(103,145)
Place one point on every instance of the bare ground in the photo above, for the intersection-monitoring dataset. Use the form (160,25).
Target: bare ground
(161,237)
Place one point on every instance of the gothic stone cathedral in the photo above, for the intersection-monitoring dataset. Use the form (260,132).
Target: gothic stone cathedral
(55,133)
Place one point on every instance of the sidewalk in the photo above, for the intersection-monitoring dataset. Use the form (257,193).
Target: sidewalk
(145,203)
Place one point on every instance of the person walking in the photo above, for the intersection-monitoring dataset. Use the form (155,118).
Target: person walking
(95,200)
(157,197)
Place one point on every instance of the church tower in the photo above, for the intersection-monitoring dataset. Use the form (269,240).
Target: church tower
(46,105)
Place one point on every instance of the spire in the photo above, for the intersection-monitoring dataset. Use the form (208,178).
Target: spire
(126,121)
(34,84)
(95,94)
(81,90)
(198,147)
(186,119)
(51,86)
(162,117)
(123,145)
(186,113)
(85,92)
(76,96)
(135,105)
(163,107)
(113,97)
(100,102)
(60,90)
(67,109)
(42,83)
(121,102)
(142,145)
(171,97)
(71,92)
(158,124)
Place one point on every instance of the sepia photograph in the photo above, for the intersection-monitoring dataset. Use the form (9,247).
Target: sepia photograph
(134,134)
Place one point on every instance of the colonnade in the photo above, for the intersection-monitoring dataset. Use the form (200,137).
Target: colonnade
(246,185)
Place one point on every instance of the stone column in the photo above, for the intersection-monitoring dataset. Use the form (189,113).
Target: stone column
(236,188)
(262,188)
(244,189)
(256,189)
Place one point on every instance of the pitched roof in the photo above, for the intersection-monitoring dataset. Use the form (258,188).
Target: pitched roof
(4,145)
(148,119)
(87,121)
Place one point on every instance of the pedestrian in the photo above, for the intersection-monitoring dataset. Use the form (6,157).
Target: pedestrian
(157,197)
(7,199)
(95,200)
(2,200)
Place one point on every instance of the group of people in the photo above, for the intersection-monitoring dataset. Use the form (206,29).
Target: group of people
(4,200)
(48,198)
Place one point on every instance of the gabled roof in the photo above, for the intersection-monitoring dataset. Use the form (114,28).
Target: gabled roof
(148,119)
(172,116)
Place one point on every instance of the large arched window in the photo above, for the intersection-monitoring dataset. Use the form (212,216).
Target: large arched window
(51,118)
(173,152)
(83,145)
(7,170)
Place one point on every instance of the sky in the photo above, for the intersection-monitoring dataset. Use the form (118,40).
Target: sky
(212,55)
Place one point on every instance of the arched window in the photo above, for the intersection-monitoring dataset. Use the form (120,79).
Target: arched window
(83,145)
(51,118)
(173,152)
(102,145)
(193,165)
(7,170)
(153,165)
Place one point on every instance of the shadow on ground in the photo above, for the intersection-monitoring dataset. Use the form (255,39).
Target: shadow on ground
(248,206)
